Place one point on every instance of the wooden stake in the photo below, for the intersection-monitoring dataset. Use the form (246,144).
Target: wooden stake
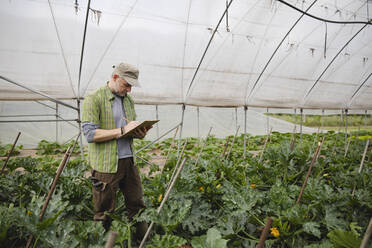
(361,163)
(111,239)
(232,143)
(293,142)
(10,152)
(315,157)
(54,184)
(264,233)
(347,147)
(367,235)
(226,145)
(202,148)
(266,141)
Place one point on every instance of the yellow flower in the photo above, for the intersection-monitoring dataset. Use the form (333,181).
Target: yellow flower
(275,232)
(160,197)
(201,188)
(218,186)
(325,175)
(253,186)
(29,212)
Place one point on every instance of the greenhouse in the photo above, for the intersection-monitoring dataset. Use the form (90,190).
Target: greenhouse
(264,132)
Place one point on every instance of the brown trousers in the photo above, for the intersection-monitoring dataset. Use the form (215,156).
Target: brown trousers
(126,179)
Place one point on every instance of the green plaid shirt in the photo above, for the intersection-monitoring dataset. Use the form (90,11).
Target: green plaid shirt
(97,109)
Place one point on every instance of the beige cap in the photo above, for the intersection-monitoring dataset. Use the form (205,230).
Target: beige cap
(128,72)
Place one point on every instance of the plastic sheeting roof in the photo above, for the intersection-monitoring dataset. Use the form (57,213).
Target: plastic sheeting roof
(317,65)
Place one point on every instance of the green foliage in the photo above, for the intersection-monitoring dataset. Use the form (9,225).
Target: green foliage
(166,241)
(216,202)
(48,148)
(4,150)
(213,239)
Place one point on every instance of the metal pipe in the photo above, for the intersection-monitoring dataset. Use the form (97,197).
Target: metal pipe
(177,164)
(7,116)
(245,132)
(11,121)
(264,148)
(37,92)
(365,119)
(198,118)
(330,63)
(315,157)
(232,143)
(171,146)
(57,122)
(82,47)
(267,121)
(346,112)
(202,148)
(10,153)
(46,105)
(277,48)
(206,49)
(301,122)
(181,128)
(157,118)
(79,123)
(163,202)
(144,147)
(236,118)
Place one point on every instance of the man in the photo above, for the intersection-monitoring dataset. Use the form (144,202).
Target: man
(107,114)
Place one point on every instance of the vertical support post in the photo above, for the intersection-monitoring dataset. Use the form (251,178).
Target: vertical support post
(57,122)
(264,233)
(295,119)
(346,112)
(245,131)
(181,128)
(81,131)
(157,118)
(365,119)
(301,111)
(198,118)
(322,121)
(267,120)
(236,118)
(367,235)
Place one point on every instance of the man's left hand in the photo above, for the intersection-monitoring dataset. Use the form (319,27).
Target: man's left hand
(140,133)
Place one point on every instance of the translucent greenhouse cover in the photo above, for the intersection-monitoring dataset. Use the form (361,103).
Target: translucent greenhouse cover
(259,53)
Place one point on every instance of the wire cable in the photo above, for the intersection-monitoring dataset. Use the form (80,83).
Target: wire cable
(206,49)
(273,54)
(322,19)
(82,47)
(61,47)
(330,63)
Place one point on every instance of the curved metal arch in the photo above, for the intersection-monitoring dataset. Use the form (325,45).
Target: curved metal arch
(329,64)
(184,48)
(357,90)
(108,46)
(206,49)
(272,56)
(61,47)
(83,46)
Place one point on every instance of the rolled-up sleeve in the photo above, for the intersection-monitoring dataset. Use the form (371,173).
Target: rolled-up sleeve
(89,130)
